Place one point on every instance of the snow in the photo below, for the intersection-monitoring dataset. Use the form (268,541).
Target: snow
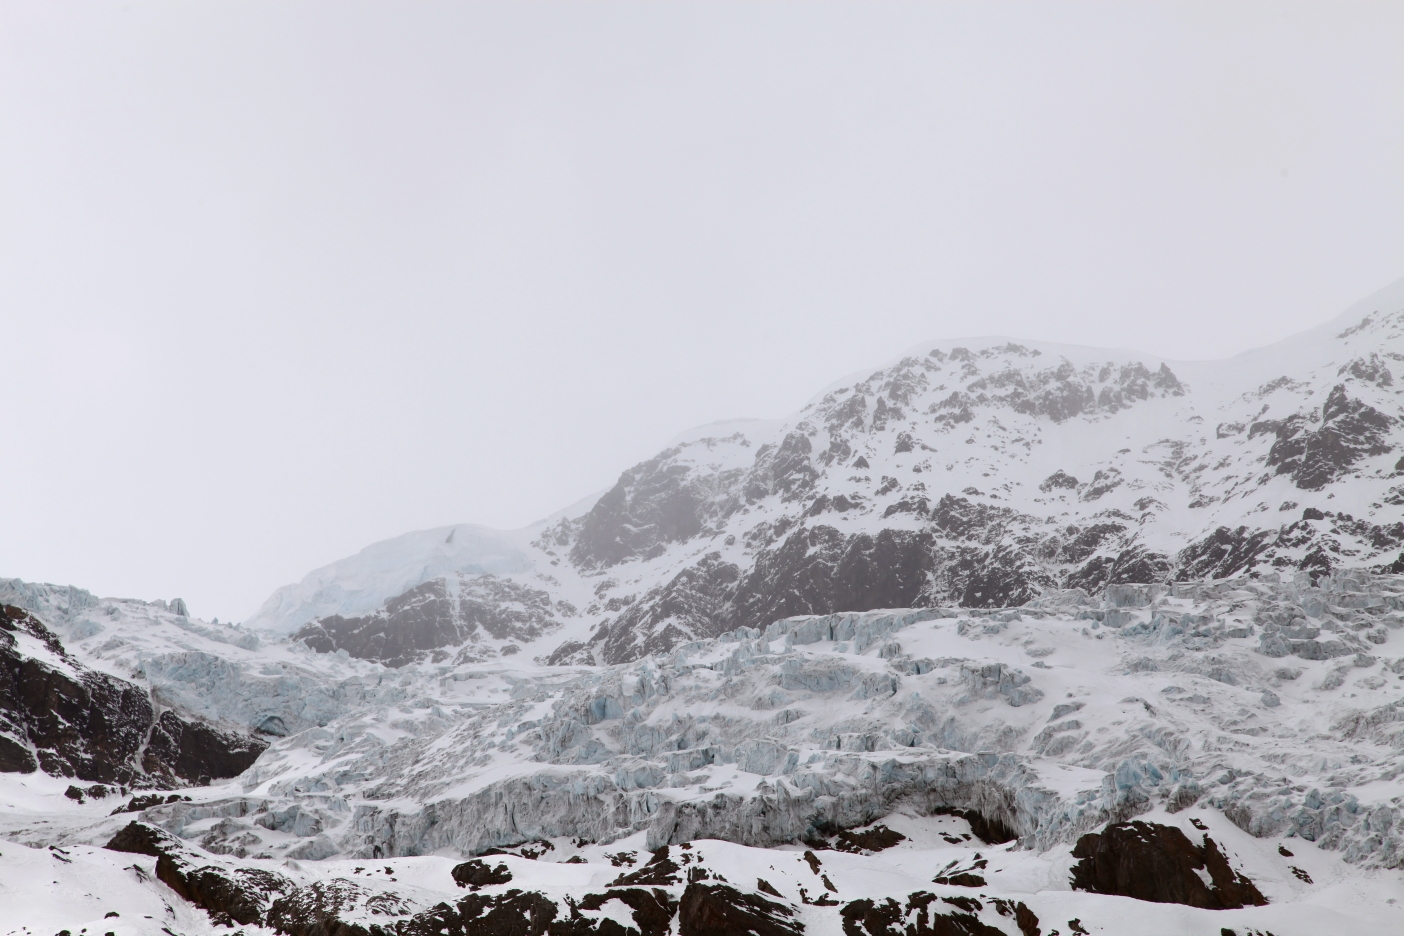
(1060,716)
(362,582)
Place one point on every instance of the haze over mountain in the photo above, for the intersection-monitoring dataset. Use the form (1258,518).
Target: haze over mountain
(979,473)
(465,263)
(999,637)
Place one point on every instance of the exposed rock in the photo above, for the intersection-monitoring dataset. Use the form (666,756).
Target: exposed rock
(140,803)
(922,916)
(68,720)
(1058,480)
(477,873)
(660,870)
(786,470)
(720,910)
(138,838)
(192,750)
(62,717)
(819,571)
(1159,863)
(653,911)
(1223,553)
(241,895)
(428,618)
(692,604)
(515,913)
(656,502)
(320,908)
(1350,430)
(876,839)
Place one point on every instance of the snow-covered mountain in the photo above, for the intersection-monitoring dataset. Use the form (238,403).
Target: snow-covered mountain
(1000,638)
(980,473)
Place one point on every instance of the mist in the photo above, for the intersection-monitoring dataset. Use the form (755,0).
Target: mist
(280,280)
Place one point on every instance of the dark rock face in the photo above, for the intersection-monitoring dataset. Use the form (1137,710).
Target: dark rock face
(478,873)
(139,803)
(1368,370)
(693,604)
(653,912)
(1063,392)
(660,870)
(414,625)
(193,750)
(15,757)
(1223,553)
(515,913)
(1158,863)
(318,909)
(817,570)
(1350,430)
(654,503)
(1228,552)
(875,839)
(959,879)
(1058,480)
(138,838)
(719,910)
(530,913)
(71,721)
(786,469)
(990,578)
(1133,566)
(988,830)
(923,915)
(239,896)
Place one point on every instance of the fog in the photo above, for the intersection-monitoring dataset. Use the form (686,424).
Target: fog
(281,279)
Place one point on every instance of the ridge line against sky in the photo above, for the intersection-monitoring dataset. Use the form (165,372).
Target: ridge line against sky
(290,279)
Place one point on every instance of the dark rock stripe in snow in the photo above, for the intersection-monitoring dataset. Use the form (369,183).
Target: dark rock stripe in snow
(1159,863)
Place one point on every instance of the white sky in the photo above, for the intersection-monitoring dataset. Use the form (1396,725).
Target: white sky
(281,279)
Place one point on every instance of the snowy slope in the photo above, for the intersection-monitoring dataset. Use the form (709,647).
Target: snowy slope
(980,472)
(915,659)
(1264,711)
(382,570)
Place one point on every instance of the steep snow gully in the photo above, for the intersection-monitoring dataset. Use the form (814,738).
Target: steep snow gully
(1003,637)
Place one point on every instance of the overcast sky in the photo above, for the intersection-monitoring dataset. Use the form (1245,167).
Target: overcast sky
(278,280)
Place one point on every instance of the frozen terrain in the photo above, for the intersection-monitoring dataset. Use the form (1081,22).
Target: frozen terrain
(1001,638)
(1265,710)
(979,473)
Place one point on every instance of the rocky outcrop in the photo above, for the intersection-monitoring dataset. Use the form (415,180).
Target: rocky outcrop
(1159,863)
(514,913)
(230,896)
(924,915)
(657,502)
(818,570)
(653,911)
(693,604)
(183,749)
(68,720)
(720,910)
(61,717)
(420,623)
(322,908)
(1349,431)
(476,874)
(876,839)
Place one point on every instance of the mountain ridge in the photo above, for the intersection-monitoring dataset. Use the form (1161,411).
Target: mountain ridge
(908,660)
(881,471)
